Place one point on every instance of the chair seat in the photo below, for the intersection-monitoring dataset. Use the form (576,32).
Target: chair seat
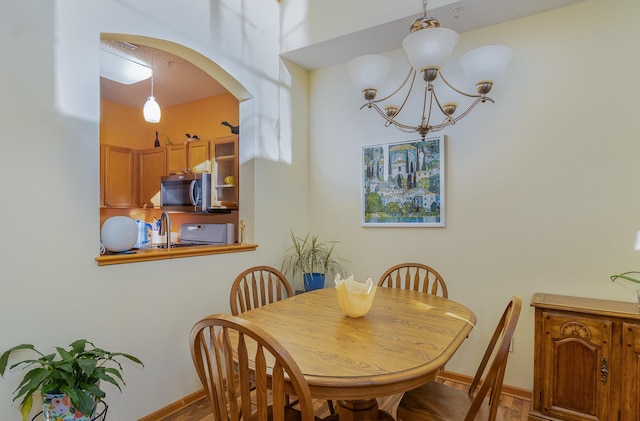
(436,401)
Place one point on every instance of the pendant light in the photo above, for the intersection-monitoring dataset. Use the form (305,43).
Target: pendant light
(151,109)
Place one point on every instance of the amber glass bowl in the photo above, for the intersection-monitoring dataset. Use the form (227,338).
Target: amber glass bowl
(355,298)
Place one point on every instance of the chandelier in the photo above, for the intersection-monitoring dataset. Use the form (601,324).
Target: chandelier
(428,48)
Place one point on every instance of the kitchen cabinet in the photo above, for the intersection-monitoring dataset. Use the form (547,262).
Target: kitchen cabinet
(586,359)
(176,159)
(199,156)
(194,157)
(226,170)
(152,165)
(117,176)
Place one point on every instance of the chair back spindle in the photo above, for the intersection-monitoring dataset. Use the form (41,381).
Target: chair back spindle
(258,286)
(415,276)
(245,371)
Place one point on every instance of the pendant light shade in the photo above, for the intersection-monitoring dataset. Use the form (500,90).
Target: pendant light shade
(151,110)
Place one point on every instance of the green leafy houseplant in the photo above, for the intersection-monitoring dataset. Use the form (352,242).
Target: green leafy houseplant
(310,255)
(626,275)
(75,372)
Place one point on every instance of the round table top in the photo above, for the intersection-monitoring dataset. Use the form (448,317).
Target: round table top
(399,344)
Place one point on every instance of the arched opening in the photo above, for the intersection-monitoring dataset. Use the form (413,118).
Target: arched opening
(196,96)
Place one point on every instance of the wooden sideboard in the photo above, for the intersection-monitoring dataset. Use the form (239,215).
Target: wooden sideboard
(586,360)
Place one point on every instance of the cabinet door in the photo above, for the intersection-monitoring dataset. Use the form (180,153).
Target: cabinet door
(199,157)
(225,155)
(576,357)
(176,159)
(152,167)
(630,408)
(118,176)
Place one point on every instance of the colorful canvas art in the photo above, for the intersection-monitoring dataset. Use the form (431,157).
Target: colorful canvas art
(403,184)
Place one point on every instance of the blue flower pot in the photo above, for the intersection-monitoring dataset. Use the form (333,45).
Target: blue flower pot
(313,281)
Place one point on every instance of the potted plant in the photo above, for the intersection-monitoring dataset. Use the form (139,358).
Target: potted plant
(68,379)
(312,258)
(626,275)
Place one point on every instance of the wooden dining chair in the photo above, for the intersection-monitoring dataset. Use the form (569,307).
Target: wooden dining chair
(220,347)
(415,276)
(257,286)
(437,401)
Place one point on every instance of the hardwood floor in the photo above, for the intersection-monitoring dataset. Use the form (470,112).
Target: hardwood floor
(514,408)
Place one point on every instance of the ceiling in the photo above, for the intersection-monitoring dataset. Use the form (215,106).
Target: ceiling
(177,81)
(461,16)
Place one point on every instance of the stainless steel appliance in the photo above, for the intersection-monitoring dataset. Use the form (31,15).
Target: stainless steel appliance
(192,235)
(185,192)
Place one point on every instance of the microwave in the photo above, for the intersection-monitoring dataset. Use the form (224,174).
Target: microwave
(186,192)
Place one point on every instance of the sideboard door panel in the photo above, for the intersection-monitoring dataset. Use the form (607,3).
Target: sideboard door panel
(630,410)
(577,355)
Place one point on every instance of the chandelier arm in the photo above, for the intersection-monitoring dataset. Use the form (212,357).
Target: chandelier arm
(451,121)
(390,120)
(458,90)
(406,98)
(439,104)
(411,71)
(404,101)
(427,90)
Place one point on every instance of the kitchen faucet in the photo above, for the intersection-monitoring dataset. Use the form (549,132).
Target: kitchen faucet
(165,227)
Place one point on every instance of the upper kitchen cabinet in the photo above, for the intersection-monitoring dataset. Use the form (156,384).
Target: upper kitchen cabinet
(194,157)
(199,156)
(225,174)
(176,159)
(152,166)
(116,176)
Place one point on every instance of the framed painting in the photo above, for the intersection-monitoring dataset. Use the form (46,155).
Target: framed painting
(403,184)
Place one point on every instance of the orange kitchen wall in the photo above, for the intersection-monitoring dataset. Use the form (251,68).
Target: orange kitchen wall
(125,126)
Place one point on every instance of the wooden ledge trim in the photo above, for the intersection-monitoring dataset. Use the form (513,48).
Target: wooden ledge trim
(174,253)
(513,391)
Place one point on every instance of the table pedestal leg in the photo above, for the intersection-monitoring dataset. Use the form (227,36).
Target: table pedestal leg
(361,410)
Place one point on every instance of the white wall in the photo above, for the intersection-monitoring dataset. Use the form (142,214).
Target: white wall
(540,186)
(53,291)
(307,22)
(541,190)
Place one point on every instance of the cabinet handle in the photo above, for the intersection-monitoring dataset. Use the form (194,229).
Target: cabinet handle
(604,370)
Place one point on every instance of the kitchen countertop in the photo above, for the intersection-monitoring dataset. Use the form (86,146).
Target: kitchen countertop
(145,255)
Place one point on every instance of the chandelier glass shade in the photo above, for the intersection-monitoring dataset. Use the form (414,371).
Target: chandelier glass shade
(428,48)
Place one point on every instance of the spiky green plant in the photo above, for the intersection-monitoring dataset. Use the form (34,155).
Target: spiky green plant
(75,372)
(626,276)
(310,255)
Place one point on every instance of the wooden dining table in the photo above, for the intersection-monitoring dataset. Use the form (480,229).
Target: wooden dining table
(400,344)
